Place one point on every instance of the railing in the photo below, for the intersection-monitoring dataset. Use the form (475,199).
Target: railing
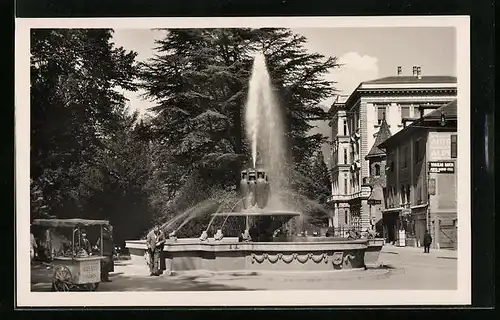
(341,232)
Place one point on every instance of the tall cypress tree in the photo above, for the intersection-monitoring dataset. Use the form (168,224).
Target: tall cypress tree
(199,81)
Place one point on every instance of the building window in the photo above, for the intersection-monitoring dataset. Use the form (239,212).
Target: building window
(345,183)
(345,156)
(418,151)
(404,157)
(403,194)
(416,112)
(381,113)
(408,200)
(345,216)
(419,192)
(345,127)
(393,197)
(405,112)
(384,193)
(377,170)
(454,146)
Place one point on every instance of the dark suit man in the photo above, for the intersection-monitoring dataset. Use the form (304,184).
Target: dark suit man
(427,241)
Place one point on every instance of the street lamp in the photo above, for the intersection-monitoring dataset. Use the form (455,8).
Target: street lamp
(442,122)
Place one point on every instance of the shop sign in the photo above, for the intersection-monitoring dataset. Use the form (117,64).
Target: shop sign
(442,167)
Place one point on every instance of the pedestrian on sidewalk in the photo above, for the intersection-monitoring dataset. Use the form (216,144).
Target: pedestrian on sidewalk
(107,264)
(427,241)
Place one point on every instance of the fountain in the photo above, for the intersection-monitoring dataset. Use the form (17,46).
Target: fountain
(266,243)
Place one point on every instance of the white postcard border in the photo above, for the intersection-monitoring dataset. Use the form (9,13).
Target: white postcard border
(26,298)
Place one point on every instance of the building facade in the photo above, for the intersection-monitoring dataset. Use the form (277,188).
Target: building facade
(355,123)
(340,162)
(421,185)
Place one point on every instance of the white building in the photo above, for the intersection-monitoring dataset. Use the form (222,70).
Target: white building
(355,120)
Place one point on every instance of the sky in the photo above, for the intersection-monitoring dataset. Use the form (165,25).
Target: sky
(366,54)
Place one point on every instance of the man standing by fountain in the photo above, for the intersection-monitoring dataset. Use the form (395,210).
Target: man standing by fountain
(155,241)
(106,243)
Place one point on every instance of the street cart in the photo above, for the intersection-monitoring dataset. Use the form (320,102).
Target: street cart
(74,269)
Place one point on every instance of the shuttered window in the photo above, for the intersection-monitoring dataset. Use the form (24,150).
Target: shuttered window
(454,146)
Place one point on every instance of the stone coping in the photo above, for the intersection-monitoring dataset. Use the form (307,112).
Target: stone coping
(214,246)
(90,258)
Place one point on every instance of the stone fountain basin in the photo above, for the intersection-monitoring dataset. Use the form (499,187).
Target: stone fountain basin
(231,255)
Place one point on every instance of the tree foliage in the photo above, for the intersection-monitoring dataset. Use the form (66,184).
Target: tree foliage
(85,159)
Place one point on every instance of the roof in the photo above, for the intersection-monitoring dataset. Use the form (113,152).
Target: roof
(412,79)
(403,83)
(68,223)
(450,113)
(377,193)
(383,134)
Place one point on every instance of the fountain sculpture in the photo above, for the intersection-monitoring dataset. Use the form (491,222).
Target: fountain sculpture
(264,211)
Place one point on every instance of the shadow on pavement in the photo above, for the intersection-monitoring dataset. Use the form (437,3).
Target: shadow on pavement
(163,283)
(381,267)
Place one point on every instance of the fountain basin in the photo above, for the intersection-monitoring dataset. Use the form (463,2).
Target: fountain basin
(231,255)
(372,252)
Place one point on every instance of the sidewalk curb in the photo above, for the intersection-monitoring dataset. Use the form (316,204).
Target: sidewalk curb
(438,254)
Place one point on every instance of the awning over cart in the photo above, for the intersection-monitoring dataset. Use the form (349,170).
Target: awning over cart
(68,223)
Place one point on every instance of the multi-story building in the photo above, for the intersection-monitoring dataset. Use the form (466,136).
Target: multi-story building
(340,161)
(421,186)
(355,123)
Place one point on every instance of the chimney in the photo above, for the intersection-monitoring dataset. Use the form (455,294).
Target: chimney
(419,72)
(400,70)
(415,70)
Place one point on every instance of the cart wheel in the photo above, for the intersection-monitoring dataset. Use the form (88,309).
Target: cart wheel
(61,280)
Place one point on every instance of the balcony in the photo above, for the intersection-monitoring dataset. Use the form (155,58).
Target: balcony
(339,198)
(363,194)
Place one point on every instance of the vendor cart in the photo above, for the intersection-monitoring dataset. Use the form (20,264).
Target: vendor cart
(75,270)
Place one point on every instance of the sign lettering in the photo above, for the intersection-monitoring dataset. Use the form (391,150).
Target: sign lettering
(442,167)
(439,146)
(90,271)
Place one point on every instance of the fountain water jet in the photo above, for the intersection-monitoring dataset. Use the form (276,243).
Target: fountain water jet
(261,195)
(264,127)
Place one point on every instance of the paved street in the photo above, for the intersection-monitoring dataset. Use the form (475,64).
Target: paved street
(403,268)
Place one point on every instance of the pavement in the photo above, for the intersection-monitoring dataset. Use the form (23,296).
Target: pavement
(402,268)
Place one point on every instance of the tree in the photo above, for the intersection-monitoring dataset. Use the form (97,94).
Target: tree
(74,76)
(120,177)
(321,175)
(198,82)
(312,184)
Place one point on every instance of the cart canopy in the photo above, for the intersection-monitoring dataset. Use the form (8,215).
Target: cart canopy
(68,223)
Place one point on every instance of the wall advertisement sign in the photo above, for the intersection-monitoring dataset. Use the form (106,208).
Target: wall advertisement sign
(441,167)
